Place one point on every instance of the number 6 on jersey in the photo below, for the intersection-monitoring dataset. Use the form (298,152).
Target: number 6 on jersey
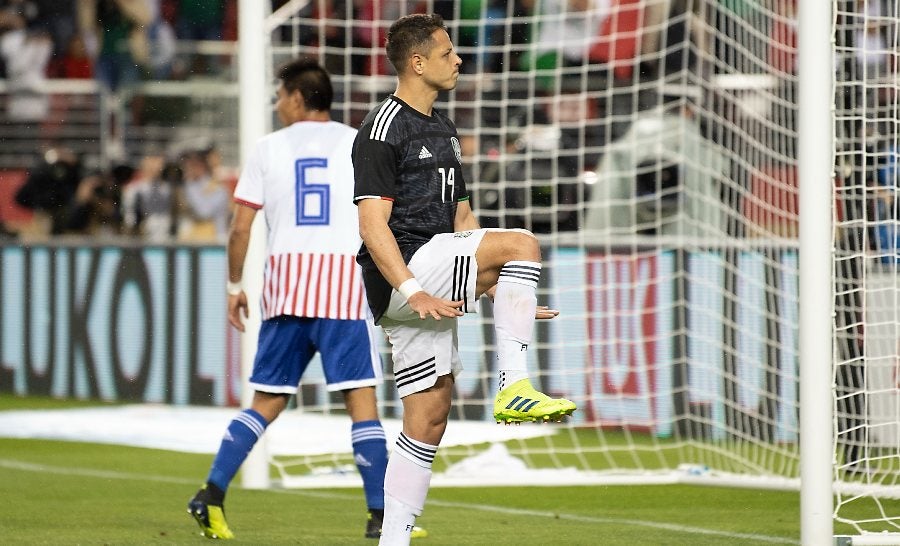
(312,199)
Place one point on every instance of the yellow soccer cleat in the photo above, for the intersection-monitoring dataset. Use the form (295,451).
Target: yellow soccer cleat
(210,518)
(519,402)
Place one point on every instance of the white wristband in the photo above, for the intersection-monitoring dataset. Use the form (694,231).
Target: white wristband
(234,288)
(409,287)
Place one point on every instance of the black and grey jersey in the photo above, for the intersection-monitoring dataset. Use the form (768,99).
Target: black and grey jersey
(413,160)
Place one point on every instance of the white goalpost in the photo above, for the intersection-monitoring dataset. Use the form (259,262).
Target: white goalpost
(255,122)
(815,83)
(714,186)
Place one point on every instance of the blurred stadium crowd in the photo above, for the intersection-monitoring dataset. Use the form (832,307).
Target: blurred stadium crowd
(175,190)
(595,75)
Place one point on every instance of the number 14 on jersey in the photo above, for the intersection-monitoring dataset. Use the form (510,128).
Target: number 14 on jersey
(448,183)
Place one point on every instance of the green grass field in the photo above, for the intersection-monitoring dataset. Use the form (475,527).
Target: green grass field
(79,493)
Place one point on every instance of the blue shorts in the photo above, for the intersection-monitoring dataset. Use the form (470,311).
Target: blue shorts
(287,344)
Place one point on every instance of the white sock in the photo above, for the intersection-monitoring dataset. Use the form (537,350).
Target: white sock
(399,520)
(515,303)
(406,483)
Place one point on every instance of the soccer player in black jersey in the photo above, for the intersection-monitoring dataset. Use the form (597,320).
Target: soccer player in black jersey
(426,261)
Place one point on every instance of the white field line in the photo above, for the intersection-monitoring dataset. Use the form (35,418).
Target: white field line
(13,464)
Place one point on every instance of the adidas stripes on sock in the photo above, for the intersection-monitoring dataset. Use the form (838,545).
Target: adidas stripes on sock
(240,437)
(370,455)
(515,303)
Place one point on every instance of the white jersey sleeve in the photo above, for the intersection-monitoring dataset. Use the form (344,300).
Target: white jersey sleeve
(249,189)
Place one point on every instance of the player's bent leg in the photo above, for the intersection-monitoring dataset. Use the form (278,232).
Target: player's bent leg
(510,259)
(520,402)
(500,246)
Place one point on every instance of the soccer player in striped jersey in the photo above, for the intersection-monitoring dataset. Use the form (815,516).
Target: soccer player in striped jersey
(426,261)
(313,299)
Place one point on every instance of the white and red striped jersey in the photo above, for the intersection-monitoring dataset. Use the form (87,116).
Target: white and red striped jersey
(302,178)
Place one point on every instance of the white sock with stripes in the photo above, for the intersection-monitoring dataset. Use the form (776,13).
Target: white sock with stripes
(406,484)
(515,303)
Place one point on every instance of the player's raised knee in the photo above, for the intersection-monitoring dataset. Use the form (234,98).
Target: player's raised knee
(523,244)
(504,245)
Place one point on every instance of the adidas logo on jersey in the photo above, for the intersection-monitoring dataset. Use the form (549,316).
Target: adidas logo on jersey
(424,153)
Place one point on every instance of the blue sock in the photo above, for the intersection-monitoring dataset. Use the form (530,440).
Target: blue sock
(370,454)
(240,437)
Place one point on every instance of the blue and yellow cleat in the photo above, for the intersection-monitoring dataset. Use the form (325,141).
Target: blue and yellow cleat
(519,402)
(210,518)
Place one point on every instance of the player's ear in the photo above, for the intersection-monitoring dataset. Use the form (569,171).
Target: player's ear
(416,63)
(296,99)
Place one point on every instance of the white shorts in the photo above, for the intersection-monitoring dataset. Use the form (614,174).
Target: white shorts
(424,350)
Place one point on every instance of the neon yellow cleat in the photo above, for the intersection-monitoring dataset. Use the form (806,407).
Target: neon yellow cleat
(418,532)
(520,402)
(210,518)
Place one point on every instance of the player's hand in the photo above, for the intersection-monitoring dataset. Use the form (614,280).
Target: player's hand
(237,307)
(427,305)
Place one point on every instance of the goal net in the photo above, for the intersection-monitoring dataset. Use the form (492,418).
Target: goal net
(651,146)
(866,258)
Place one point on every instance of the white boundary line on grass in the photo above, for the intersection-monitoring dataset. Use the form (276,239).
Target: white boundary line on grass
(13,464)
(620,521)
(688,529)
